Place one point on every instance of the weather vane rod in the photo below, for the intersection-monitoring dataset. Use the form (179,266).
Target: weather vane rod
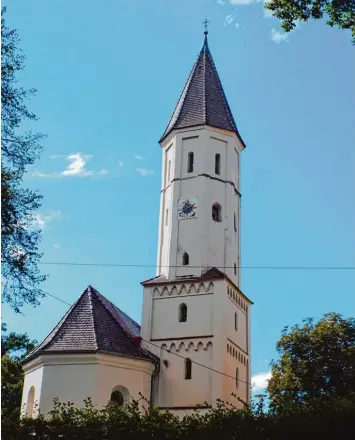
(206,26)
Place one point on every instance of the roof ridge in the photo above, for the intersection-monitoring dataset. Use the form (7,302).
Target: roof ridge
(90,292)
(100,297)
(55,330)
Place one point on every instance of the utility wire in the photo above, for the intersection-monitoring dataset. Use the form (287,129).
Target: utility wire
(50,263)
(158,346)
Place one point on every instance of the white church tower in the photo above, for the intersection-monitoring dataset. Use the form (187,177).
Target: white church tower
(194,312)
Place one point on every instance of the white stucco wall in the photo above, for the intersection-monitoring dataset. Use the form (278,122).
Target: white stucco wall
(74,378)
(174,389)
(204,338)
(33,378)
(208,243)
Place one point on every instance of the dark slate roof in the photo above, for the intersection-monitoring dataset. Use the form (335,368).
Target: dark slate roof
(203,101)
(210,274)
(94,324)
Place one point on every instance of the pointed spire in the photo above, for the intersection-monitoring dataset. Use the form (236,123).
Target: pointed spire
(202,101)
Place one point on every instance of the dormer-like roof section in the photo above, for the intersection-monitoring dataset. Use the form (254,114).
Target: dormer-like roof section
(203,101)
(93,324)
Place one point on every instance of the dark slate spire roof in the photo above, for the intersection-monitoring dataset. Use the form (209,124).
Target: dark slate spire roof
(94,324)
(203,101)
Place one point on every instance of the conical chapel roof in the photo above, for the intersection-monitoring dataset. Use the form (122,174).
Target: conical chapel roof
(203,102)
(94,324)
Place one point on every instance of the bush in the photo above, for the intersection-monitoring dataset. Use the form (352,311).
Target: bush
(312,421)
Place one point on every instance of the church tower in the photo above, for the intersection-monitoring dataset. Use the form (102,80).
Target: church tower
(195,317)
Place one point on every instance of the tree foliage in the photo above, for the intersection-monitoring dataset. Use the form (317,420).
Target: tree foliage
(19,248)
(317,362)
(340,13)
(14,347)
(321,421)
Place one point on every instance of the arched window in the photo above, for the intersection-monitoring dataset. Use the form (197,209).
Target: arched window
(235,222)
(237,378)
(216,213)
(119,395)
(117,398)
(236,321)
(188,367)
(30,402)
(190,162)
(233,352)
(217,164)
(182,313)
(185,259)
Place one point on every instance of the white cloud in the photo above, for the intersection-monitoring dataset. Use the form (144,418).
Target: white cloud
(244,2)
(56,246)
(120,164)
(259,381)
(229,19)
(144,172)
(278,36)
(40,174)
(221,2)
(75,168)
(103,172)
(137,157)
(41,221)
(77,164)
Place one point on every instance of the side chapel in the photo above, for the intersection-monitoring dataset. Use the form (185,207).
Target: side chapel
(195,320)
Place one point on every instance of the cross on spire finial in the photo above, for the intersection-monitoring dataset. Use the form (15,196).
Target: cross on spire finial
(206,26)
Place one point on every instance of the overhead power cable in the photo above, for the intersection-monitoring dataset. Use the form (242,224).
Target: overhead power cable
(60,263)
(158,346)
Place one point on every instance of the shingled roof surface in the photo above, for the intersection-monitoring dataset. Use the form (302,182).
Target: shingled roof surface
(94,324)
(202,101)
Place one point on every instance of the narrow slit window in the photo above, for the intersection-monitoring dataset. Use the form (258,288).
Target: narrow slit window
(190,163)
(235,269)
(185,259)
(188,368)
(216,213)
(237,378)
(235,222)
(217,164)
(169,169)
(182,313)
(236,321)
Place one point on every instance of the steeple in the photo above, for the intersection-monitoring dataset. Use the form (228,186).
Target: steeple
(202,101)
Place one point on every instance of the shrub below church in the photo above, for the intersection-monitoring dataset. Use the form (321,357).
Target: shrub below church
(315,420)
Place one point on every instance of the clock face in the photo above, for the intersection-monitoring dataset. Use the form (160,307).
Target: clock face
(187,208)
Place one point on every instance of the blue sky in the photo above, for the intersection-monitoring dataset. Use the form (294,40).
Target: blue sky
(108,76)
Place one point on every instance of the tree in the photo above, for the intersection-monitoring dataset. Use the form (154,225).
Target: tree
(19,248)
(341,13)
(317,362)
(14,347)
